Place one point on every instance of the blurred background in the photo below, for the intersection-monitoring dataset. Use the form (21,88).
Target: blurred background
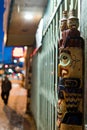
(11,57)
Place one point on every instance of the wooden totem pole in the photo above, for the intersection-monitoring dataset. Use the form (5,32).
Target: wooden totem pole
(70,75)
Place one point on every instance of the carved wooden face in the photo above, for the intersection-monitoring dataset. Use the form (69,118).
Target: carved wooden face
(72,23)
(63,25)
(71,62)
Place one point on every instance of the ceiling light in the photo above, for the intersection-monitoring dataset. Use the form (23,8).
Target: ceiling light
(28,16)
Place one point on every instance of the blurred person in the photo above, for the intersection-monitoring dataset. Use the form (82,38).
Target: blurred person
(6,86)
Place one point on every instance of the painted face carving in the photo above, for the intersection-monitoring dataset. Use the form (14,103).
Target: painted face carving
(70,75)
(71,62)
(72,23)
(63,25)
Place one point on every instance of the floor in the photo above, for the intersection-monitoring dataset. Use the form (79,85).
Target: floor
(12,115)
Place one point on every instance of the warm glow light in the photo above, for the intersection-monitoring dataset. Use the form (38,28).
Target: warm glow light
(19,74)
(5,38)
(18,8)
(18,52)
(25,47)
(28,16)
(6,66)
(21,59)
(1,65)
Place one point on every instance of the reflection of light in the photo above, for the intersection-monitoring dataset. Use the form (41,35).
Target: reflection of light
(28,16)
(25,47)
(18,8)
(5,38)
(1,65)
(10,70)
(21,59)
(17,68)
(19,74)
(15,61)
(6,66)
(23,72)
